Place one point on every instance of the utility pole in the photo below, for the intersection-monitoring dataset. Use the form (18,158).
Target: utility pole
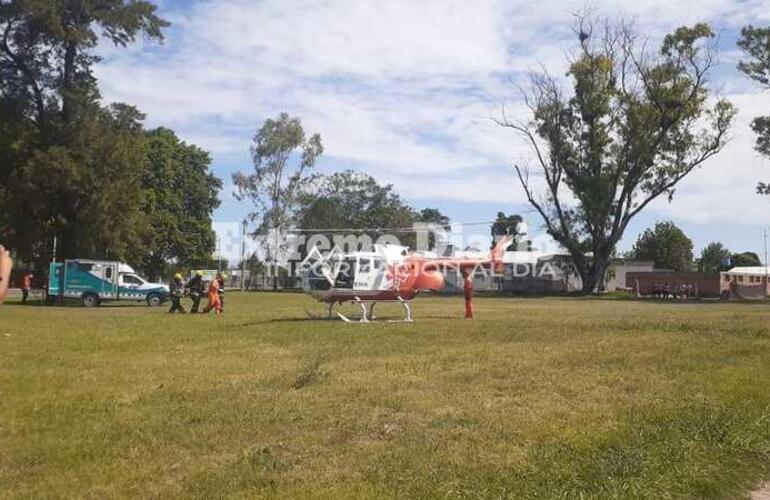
(219,254)
(764,231)
(243,254)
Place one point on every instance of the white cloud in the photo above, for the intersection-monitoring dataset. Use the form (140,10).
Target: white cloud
(404,89)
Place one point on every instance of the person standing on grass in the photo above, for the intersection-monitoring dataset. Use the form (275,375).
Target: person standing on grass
(177,292)
(26,285)
(221,281)
(213,298)
(5,272)
(468,291)
(196,290)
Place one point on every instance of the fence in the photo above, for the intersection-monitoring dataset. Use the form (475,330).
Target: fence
(645,283)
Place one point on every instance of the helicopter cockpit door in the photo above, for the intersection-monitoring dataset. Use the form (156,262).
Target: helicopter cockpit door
(366,274)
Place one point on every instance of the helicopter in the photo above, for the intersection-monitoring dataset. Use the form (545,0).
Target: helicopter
(387,273)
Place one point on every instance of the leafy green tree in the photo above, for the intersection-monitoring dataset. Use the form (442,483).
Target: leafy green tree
(755,43)
(714,258)
(181,195)
(745,259)
(508,225)
(634,124)
(356,201)
(89,193)
(432,216)
(666,245)
(276,184)
(46,51)
(85,161)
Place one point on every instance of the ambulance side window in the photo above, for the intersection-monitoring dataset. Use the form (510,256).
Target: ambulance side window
(131,280)
(108,274)
(364,266)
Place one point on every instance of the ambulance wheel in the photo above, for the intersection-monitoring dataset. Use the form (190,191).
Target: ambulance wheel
(90,300)
(154,300)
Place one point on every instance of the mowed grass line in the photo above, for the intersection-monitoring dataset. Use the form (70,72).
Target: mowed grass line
(539,398)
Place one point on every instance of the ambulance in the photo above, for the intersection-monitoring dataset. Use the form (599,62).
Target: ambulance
(95,281)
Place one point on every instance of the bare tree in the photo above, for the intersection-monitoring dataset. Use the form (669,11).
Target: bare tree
(633,124)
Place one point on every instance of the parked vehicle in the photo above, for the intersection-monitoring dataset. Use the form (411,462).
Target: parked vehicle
(95,281)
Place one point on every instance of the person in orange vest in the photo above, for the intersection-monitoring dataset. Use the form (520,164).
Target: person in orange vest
(214,302)
(26,285)
(468,290)
(5,272)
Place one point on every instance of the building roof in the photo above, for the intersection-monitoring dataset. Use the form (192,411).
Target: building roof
(753,270)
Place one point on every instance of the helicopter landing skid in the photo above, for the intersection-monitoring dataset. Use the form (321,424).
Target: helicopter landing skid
(367,314)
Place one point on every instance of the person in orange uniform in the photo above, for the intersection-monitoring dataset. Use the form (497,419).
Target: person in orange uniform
(214,302)
(468,290)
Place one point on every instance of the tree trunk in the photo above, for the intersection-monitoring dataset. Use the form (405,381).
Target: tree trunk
(67,88)
(69,242)
(593,282)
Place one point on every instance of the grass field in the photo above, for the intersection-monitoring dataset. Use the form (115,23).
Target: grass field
(547,398)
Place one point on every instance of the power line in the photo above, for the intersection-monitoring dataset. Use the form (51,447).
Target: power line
(378,229)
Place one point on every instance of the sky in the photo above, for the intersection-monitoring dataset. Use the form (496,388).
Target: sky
(407,91)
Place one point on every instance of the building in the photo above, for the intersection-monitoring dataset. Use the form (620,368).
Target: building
(745,282)
(536,273)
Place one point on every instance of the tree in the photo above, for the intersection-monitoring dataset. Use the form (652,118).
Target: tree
(87,193)
(633,126)
(275,184)
(714,258)
(46,48)
(433,216)
(356,201)
(62,146)
(507,225)
(745,259)
(666,245)
(755,43)
(181,195)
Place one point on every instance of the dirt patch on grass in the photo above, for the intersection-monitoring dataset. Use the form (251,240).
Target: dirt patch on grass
(763,493)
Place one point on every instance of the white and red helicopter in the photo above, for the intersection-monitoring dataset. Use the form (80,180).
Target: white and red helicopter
(388,273)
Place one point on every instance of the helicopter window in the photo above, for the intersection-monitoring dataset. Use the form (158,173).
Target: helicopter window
(346,274)
(364,266)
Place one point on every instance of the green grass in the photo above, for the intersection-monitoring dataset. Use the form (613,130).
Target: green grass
(545,398)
